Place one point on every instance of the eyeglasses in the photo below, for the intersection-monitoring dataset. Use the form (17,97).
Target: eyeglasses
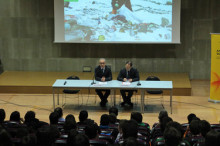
(101,62)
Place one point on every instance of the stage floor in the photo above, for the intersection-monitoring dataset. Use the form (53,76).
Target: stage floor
(182,105)
(41,82)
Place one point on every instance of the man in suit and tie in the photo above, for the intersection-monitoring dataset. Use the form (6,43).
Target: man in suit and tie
(103,73)
(128,74)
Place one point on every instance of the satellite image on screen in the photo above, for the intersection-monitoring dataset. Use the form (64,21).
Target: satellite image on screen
(118,20)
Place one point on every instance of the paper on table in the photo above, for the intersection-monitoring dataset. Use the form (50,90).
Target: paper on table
(102,83)
(126,83)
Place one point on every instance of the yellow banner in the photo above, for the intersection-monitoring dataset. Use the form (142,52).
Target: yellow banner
(215,68)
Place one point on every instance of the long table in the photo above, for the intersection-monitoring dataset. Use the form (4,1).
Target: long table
(113,85)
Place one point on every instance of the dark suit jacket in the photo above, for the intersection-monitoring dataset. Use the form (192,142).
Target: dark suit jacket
(133,74)
(99,74)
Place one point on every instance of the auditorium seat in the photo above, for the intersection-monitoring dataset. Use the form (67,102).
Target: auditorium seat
(97,142)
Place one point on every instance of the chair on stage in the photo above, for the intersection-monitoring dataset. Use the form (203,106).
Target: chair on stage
(155,92)
(71,92)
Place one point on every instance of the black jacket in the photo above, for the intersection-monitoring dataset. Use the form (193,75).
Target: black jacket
(99,74)
(133,74)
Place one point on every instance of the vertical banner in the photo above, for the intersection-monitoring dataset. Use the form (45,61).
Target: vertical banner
(215,68)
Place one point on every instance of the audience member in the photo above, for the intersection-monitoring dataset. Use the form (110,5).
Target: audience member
(112,119)
(114,110)
(60,114)
(30,120)
(15,116)
(2,115)
(104,121)
(53,118)
(137,116)
(172,136)
(71,136)
(212,138)
(81,140)
(190,117)
(91,131)
(205,127)
(70,123)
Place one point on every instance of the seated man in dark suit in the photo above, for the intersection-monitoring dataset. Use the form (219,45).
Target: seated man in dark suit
(129,74)
(103,73)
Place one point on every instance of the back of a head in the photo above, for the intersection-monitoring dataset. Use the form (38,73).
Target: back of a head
(194,127)
(162,114)
(130,141)
(81,140)
(112,118)
(212,138)
(172,136)
(70,122)
(113,110)
(164,123)
(137,116)
(177,126)
(15,116)
(59,111)
(2,115)
(190,117)
(205,127)
(53,118)
(91,131)
(104,121)
(129,129)
(29,116)
(83,115)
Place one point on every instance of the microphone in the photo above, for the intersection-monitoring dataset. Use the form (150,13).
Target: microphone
(93,80)
(138,84)
(64,83)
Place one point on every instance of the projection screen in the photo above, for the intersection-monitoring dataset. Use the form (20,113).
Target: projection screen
(117,21)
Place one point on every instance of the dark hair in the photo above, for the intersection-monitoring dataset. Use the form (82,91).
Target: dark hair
(91,131)
(130,141)
(2,115)
(54,118)
(59,111)
(29,116)
(162,114)
(71,136)
(164,123)
(212,138)
(113,110)
(81,140)
(137,117)
(104,121)
(190,117)
(172,136)
(70,123)
(129,129)
(129,62)
(83,115)
(47,135)
(112,118)
(178,127)
(205,127)
(5,138)
(194,127)
(15,116)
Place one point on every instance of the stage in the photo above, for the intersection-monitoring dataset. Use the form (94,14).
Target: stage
(41,82)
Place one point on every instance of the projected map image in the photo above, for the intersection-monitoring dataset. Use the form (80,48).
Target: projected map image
(118,20)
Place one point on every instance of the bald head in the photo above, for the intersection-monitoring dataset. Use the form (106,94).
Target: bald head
(102,62)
